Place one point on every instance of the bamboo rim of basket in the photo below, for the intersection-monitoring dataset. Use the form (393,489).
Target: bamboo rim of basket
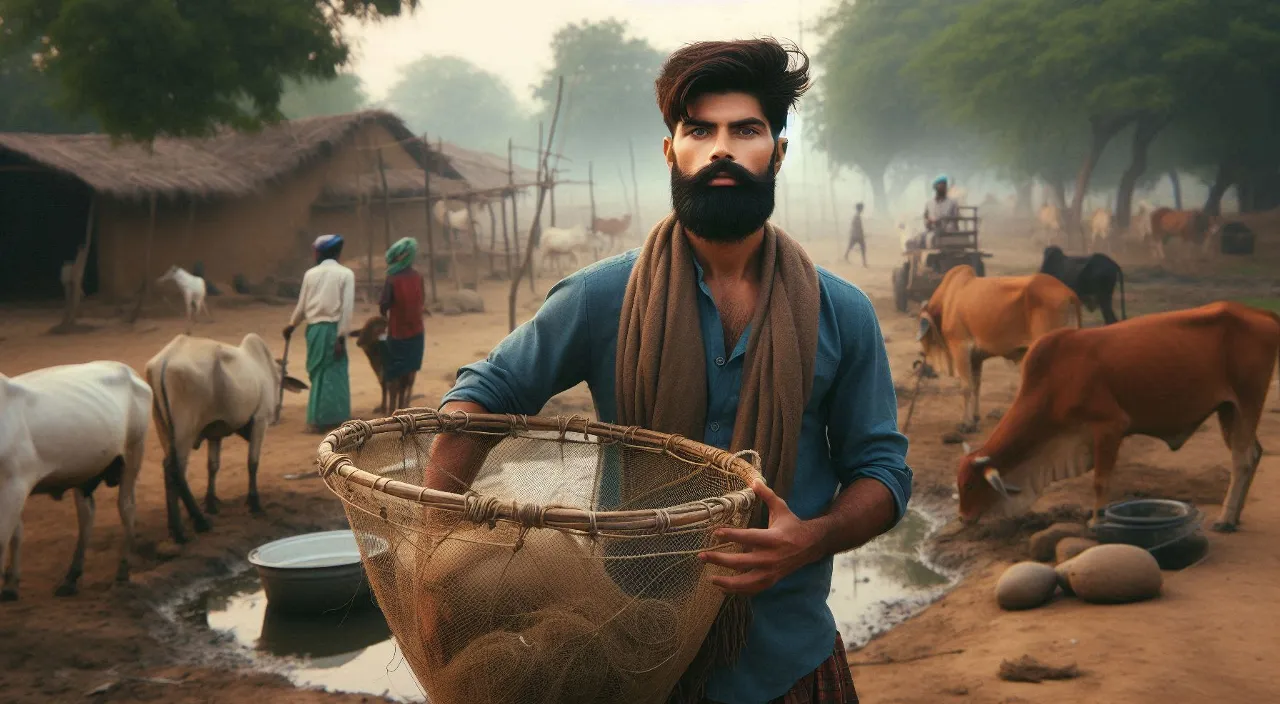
(333,462)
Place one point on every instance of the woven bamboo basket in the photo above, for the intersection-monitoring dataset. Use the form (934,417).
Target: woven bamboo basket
(566,571)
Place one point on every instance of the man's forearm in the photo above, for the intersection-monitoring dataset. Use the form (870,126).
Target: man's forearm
(456,458)
(860,512)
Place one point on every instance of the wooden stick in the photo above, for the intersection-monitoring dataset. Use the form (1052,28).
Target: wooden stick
(453,236)
(76,286)
(506,239)
(493,236)
(537,215)
(635,185)
(475,243)
(591,193)
(914,395)
(386,204)
(431,240)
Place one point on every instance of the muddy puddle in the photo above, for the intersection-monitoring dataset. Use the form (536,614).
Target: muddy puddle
(351,650)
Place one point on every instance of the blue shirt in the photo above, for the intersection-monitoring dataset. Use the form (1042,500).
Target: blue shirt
(849,431)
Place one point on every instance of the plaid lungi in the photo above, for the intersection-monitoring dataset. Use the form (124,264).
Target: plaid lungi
(830,683)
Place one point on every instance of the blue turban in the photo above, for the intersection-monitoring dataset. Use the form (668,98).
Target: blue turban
(941,178)
(327,242)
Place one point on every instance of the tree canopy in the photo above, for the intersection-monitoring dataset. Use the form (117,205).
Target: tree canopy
(452,98)
(312,97)
(28,100)
(146,68)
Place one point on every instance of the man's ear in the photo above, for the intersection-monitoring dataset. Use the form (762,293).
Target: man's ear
(667,152)
(781,155)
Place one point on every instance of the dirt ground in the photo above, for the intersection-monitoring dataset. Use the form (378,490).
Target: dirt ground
(1205,637)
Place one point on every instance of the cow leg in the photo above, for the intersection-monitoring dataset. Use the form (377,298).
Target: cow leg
(1106,449)
(176,488)
(1246,453)
(256,436)
(84,514)
(12,498)
(125,498)
(971,373)
(215,463)
(1108,313)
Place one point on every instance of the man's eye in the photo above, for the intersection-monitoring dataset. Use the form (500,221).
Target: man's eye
(748,131)
(698,131)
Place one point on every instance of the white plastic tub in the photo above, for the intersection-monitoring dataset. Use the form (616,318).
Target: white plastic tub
(314,572)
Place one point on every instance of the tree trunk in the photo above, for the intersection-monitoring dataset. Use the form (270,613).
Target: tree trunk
(1222,180)
(878,191)
(1102,130)
(1058,193)
(1148,127)
(1176,183)
(1022,206)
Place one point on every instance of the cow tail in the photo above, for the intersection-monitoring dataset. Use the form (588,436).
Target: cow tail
(1123,314)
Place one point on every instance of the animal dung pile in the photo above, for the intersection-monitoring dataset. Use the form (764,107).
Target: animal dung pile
(1100,574)
(1029,669)
(1114,574)
(1026,585)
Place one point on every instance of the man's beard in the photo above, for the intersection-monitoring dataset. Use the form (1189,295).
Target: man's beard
(722,213)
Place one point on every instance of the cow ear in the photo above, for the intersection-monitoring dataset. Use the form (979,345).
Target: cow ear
(294,385)
(925,322)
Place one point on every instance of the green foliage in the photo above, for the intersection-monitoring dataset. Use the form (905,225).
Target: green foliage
(146,68)
(28,100)
(609,91)
(313,98)
(451,98)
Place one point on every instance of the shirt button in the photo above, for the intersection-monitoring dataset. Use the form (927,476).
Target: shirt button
(719,361)
(715,426)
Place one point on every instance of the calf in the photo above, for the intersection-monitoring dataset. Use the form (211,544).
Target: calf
(395,393)
(1161,375)
(70,428)
(560,242)
(207,390)
(1092,278)
(1099,229)
(970,319)
(193,292)
(1191,226)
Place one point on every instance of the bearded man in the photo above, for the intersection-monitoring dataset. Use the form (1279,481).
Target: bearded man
(722,330)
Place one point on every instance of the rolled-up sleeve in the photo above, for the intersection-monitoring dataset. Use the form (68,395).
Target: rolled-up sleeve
(543,357)
(863,430)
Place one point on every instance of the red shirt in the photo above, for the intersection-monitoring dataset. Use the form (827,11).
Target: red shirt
(402,299)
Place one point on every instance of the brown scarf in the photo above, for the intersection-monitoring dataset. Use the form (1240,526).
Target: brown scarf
(662,386)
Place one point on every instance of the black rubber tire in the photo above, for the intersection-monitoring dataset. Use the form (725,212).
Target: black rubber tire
(900,288)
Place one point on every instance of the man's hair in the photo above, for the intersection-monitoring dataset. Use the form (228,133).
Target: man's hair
(859,205)
(759,67)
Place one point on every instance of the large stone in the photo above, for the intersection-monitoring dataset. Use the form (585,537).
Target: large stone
(1045,542)
(1114,574)
(1026,585)
(1070,547)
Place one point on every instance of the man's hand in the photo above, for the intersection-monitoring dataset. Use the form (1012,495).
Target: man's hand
(288,331)
(340,348)
(771,553)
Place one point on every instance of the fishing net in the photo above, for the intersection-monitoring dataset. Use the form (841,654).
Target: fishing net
(567,572)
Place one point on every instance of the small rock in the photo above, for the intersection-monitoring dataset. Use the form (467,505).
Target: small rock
(1114,574)
(1070,547)
(1044,542)
(1026,585)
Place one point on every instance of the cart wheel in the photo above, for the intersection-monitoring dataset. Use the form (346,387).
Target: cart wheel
(900,288)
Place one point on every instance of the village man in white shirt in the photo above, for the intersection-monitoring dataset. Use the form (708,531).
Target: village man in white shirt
(327,303)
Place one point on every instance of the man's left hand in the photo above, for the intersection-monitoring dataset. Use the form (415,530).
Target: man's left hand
(340,348)
(769,553)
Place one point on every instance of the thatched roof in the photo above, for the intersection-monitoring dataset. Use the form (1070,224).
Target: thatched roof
(401,183)
(484,171)
(230,164)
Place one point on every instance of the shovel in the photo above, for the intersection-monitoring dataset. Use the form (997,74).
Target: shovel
(284,370)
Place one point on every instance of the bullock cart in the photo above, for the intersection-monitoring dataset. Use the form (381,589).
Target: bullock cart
(923,268)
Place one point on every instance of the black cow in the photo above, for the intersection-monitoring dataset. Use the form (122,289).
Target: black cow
(1093,278)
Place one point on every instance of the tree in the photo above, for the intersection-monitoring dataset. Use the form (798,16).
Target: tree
(609,90)
(29,102)
(867,115)
(146,68)
(313,98)
(452,98)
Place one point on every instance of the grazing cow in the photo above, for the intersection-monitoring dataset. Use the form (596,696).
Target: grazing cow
(559,243)
(1099,228)
(207,390)
(1190,226)
(1092,278)
(612,229)
(369,338)
(193,292)
(70,428)
(1084,391)
(970,319)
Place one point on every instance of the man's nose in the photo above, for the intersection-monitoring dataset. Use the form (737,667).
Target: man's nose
(721,148)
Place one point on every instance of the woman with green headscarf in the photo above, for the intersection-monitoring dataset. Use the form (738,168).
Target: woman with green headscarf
(402,305)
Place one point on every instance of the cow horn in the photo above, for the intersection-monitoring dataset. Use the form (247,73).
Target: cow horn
(993,478)
(966,447)
(981,462)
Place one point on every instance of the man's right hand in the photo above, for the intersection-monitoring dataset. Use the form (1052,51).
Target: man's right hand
(288,331)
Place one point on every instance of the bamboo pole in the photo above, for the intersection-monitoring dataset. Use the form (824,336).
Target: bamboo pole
(386,204)
(475,243)
(431,240)
(493,236)
(635,185)
(452,235)
(75,288)
(542,191)
(591,194)
(536,239)
(506,239)
(515,218)
(146,271)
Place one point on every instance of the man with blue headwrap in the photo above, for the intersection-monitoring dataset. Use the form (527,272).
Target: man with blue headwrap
(326,302)
(940,212)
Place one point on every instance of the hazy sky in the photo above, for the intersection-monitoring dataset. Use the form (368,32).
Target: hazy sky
(512,38)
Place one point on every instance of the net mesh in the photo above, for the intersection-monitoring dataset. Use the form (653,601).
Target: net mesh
(567,573)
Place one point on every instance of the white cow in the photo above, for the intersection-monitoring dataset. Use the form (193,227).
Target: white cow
(560,242)
(1099,229)
(1050,221)
(70,428)
(1140,223)
(193,292)
(209,390)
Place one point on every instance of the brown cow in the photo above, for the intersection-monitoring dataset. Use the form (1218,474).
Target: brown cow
(1084,391)
(970,319)
(1191,226)
(612,228)
(395,394)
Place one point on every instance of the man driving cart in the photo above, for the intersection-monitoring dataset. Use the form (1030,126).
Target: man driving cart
(940,213)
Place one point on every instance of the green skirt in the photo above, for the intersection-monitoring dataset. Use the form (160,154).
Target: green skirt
(330,401)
